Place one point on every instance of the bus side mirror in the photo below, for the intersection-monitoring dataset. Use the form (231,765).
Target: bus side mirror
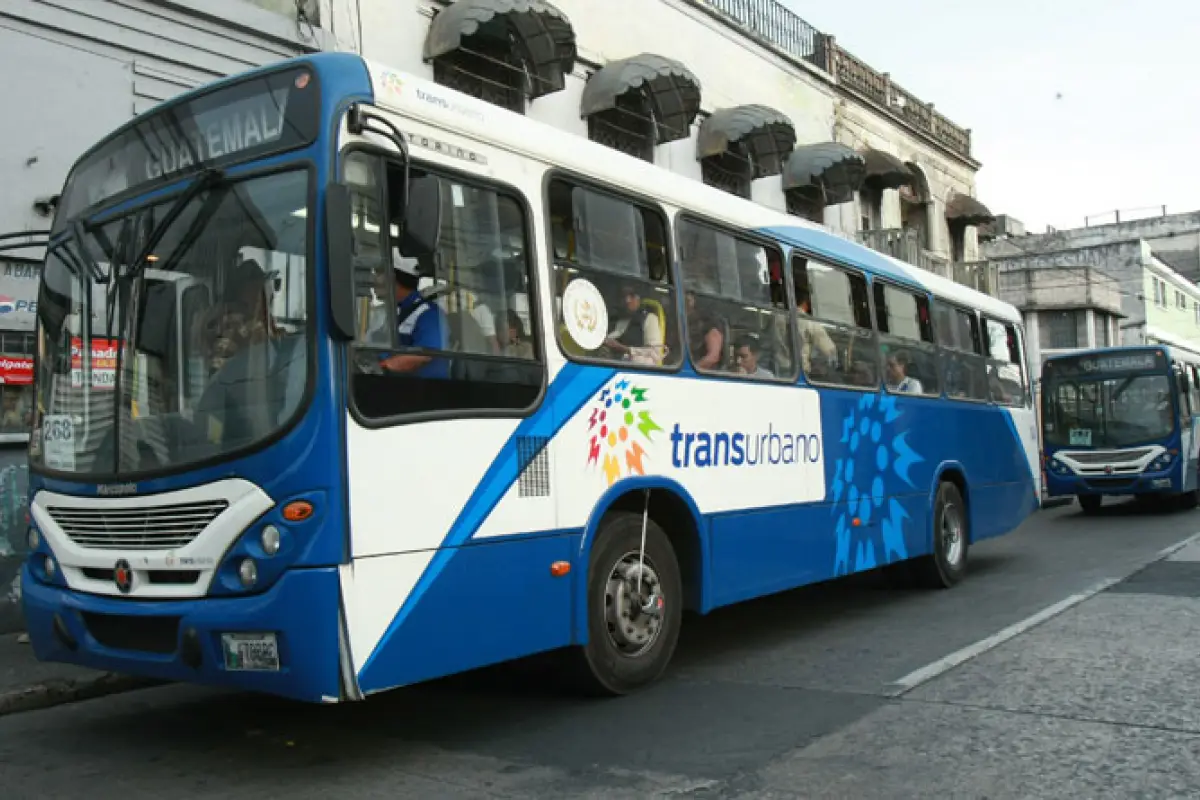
(422,218)
(339,237)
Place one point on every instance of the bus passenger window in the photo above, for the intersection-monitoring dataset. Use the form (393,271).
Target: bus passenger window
(833,310)
(613,295)
(450,332)
(737,317)
(964,368)
(906,338)
(1006,376)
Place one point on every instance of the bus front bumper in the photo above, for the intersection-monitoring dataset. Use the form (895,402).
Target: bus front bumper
(1165,482)
(185,640)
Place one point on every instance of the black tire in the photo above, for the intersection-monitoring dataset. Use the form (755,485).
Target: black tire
(946,566)
(603,666)
(1090,503)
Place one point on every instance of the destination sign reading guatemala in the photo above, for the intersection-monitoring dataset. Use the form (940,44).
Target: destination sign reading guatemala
(262,115)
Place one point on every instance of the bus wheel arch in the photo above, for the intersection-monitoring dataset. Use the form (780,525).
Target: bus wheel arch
(606,659)
(950,531)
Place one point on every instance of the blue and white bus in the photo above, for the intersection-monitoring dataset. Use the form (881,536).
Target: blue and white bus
(1122,421)
(347,381)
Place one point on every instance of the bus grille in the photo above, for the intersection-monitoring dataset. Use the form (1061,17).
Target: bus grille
(1109,456)
(147,528)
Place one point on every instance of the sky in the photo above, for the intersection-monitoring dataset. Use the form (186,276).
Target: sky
(1077,107)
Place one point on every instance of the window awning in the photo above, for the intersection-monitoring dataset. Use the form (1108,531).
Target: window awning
(542,32)
(668,87)
(885,171)
(767,135)
(966,210)
(828,171)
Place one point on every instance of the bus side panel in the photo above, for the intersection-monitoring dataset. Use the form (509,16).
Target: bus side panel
(491,602)
(883,458)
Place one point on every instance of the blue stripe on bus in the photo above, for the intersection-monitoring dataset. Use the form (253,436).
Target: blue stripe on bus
(572,387)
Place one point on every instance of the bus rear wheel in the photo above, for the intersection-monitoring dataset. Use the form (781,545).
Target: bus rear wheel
(633,626)
(946,566)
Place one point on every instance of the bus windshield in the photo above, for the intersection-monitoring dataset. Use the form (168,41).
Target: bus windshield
(1108,410)
(176,332)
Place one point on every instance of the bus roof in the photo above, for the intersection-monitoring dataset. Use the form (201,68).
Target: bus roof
(489,124)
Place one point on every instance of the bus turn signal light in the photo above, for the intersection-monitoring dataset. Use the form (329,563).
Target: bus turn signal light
(560,568)
(297,511)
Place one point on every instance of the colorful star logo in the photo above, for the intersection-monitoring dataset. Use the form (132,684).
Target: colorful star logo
(618,423)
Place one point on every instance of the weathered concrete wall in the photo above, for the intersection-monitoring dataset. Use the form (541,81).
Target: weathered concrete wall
(1066,287)
(1123,262)
(14,505)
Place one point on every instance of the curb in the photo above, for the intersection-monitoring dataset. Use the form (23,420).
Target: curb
(59,692)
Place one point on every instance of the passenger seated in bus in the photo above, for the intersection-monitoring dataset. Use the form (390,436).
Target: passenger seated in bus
(255,384)
(812,334)
(513,342)
(706,337)
(638,336)
(747,355)
(243,318)
(420,322)
(896,376)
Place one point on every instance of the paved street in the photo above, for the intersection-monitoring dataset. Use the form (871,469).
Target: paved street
(794,696)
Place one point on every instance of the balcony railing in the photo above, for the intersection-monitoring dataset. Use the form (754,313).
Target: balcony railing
(979,275)
(778,26)
(878,87)
(905,244)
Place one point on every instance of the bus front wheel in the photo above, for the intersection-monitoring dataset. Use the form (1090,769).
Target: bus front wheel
(634,606)
(1090,503)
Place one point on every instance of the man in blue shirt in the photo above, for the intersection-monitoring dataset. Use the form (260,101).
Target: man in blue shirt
(420,322)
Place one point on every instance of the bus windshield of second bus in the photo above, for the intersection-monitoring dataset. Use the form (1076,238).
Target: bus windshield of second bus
(1114,401)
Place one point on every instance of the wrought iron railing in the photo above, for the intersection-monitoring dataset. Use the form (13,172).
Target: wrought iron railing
(778,26)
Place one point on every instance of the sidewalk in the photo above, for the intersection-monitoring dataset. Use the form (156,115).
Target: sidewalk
(27,684)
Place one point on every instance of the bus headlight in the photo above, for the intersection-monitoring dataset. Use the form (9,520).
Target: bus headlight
(50,567)
(248,572)
(1161,463)
(33,539)
(270,540)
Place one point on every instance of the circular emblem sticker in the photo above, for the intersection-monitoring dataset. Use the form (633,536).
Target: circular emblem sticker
(585,314)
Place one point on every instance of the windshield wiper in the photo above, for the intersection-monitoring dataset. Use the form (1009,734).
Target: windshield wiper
(207,179)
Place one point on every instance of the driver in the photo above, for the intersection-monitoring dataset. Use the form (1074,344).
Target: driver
(420,323)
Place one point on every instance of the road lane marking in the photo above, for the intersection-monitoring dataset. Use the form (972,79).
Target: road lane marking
(930,671)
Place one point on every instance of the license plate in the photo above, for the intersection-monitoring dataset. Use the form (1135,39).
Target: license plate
(250,652)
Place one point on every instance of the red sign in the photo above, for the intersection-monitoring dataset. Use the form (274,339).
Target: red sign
(16,371)
(104,362)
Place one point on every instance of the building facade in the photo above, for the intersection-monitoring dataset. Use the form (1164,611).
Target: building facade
(742,94)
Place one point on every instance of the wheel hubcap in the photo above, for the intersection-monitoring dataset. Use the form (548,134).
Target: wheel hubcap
(952,534)
(633,616)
